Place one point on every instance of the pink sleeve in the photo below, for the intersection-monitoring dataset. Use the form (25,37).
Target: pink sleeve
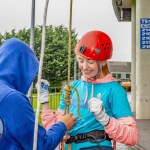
(123,130)
(49,118)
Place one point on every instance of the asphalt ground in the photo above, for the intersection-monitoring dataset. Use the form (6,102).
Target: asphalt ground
(144,135)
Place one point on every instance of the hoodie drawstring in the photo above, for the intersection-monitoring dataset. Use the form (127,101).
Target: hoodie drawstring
(92,92)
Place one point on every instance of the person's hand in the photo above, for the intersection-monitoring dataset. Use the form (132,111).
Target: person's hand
(68,120)
(43,91)
(96,107)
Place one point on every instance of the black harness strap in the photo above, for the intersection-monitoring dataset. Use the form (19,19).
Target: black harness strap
(93,136)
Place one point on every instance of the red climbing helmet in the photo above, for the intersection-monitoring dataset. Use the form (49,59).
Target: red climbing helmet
(95,45)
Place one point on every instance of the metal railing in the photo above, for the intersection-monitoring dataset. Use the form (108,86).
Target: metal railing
(54,99)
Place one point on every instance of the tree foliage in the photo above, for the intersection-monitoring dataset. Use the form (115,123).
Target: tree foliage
(55,65)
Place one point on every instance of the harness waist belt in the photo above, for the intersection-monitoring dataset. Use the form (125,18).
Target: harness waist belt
(90,136)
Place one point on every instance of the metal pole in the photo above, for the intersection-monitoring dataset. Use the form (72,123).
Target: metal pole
(32,44)
(133,61)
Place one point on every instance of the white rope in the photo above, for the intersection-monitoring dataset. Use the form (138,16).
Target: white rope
(39,76)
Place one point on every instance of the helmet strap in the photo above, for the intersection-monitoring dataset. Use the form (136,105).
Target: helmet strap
(99,70)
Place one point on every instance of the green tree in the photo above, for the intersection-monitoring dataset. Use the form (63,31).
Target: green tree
(55,66)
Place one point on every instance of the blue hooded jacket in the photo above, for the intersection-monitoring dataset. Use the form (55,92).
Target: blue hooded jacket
(18,69)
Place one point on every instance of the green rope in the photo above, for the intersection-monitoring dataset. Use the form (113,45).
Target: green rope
(68,90)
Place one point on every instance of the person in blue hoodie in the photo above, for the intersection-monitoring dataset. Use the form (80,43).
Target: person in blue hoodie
(18,69)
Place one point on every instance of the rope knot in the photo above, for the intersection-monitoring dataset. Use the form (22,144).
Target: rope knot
(67,88)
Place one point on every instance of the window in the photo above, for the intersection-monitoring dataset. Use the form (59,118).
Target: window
(118,76)
(127,76)
(114,75)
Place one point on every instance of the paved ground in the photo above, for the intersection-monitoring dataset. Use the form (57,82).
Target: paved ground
(125,147)
(144,135)
(144,131)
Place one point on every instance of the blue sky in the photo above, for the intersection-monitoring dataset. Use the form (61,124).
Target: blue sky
(87,15)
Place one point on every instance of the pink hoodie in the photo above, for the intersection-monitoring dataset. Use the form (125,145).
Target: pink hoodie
(123,130)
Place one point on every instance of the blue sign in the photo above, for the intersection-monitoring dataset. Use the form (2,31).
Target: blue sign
(145,33)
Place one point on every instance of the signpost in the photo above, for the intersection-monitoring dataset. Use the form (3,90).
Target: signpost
(145,33)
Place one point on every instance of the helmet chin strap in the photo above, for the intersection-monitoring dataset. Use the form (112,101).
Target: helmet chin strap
(99,71)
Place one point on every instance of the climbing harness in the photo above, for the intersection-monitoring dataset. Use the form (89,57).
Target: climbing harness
(95,136)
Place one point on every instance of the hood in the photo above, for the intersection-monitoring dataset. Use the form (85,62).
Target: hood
(18,64)
(106,79)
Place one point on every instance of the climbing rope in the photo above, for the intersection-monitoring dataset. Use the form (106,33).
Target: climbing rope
(67,87)
(70,35)
(39,76)
(68,90)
